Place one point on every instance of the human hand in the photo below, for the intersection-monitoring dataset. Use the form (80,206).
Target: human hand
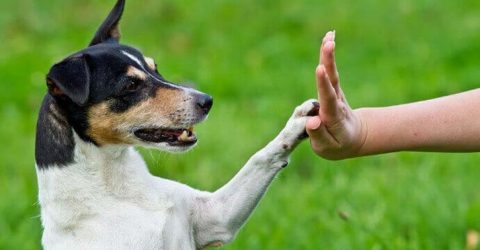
(337,132)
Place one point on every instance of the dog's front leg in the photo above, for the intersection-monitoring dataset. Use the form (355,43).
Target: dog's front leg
(218,216)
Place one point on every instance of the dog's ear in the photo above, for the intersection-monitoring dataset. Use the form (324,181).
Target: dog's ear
(109,31)
(70,78)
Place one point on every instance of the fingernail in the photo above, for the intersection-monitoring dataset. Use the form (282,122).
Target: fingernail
(313,123)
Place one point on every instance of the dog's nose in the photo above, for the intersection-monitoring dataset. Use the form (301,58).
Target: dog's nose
(204,103)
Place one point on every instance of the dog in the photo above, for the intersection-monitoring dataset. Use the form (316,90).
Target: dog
(95,191)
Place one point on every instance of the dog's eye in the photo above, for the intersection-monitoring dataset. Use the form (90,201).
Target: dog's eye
(133,85)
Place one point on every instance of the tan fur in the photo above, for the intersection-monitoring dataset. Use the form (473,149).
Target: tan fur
(215,244)
(54,89)
(103,124)
(115,33)
(107,127)
(150,62)
(132,71)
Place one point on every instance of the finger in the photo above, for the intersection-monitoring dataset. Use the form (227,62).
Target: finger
(328,59)
(330,36)
(318,133)
(313,123)
(326,94)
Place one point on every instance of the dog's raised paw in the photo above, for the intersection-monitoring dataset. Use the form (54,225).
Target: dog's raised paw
(307,108)
(294,131)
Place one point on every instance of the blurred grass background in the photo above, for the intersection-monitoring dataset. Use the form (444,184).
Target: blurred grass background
(257,59)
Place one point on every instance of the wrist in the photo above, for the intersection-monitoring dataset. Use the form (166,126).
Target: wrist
(362,134)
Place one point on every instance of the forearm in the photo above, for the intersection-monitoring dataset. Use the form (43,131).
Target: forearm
(450,123)
(222,213)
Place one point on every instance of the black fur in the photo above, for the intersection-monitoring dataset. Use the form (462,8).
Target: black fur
(54,142)
(108,31)
(72,77)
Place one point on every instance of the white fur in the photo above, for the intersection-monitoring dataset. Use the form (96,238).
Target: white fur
(107,199)
(133,58)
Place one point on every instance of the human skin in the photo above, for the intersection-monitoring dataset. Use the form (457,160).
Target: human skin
(446,124)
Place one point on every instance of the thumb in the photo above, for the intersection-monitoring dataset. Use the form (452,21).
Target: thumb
(317,132)
(314,129)
(313,124)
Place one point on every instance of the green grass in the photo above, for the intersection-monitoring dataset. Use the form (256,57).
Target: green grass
(257,58)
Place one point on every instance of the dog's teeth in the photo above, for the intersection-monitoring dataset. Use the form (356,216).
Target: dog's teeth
(183,136)
(190,131)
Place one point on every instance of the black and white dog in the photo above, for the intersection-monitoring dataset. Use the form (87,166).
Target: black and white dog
(95,190)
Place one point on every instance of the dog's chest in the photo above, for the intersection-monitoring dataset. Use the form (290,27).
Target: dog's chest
(119,207)
(115,225)
(127,226)
(124,225)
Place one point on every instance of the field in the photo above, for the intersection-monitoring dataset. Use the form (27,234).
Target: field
(257,59)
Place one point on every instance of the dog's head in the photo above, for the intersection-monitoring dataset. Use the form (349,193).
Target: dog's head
(112,94)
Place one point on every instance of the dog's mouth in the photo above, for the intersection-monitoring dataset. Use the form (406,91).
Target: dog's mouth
(174,137)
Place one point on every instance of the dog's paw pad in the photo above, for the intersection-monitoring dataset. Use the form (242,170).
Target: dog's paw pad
(315,109)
